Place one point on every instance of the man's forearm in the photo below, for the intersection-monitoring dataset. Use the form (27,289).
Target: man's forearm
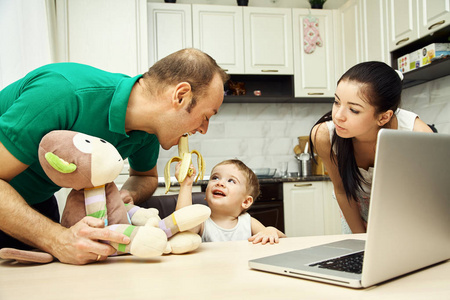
(140,187)
(24,223)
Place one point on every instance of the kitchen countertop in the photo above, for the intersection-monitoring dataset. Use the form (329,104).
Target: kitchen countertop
(261,180)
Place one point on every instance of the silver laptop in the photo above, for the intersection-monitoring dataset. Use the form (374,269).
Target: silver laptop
(409,218)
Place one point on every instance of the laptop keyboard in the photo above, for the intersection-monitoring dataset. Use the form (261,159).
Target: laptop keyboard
(350,263)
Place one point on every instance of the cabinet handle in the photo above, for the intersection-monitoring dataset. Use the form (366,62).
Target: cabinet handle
(436,24)
(225,70)
(302,184)
(401,41)
(269,70)
(315,94)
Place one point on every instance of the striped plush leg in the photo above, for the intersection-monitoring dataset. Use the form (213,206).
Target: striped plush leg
(184,219)
(141,216)
(146,241)
(95,202)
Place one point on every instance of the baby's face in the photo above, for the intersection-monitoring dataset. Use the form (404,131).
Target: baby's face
(226,190)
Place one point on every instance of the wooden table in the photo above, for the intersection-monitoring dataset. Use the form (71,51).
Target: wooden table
(214,271)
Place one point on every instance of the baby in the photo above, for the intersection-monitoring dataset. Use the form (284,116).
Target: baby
(231,190)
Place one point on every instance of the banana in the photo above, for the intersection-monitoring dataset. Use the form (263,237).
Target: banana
(186,160)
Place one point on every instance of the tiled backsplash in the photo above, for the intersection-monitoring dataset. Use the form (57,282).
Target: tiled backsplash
(264,135)
(431,101)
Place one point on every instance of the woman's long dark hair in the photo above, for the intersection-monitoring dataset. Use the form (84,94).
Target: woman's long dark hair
(381,87)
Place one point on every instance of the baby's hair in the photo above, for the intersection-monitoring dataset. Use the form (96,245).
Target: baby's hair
(252,180)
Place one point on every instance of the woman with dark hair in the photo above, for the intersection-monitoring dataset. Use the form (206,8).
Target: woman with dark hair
(367,98)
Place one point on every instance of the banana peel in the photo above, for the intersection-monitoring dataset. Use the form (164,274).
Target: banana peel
(185,156)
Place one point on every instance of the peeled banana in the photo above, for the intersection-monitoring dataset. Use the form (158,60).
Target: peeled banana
(186,160)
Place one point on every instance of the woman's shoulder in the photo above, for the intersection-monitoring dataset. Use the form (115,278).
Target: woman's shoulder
(320,135)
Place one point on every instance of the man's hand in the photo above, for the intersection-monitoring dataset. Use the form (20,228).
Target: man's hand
(81,243)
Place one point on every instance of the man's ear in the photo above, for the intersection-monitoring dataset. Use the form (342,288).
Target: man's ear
(247,202)
(385,117)
(181,92)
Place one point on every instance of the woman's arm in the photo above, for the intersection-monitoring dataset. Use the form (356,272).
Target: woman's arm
(420,125)
(349,207)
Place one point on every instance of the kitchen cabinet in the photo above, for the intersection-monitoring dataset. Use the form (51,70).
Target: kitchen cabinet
(429,72)
(374,31)
(403,22)
(84,37)
(169,29)
(218,31)
(268,40)
(314,74)
(433,15)
(309,209)
(347,37)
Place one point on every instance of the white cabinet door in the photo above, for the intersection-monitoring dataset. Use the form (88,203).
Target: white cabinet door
(348,37)
(169,29)
(331,210)
(268,40)
(89,32)
(374,31)
(218,31)
(403,22)
(433,15)
(303,208)
(313,72)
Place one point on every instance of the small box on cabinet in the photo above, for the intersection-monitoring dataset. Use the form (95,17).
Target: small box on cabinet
(434,50)
(403,63)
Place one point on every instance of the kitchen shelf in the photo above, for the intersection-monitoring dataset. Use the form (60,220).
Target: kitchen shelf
(435,70)
(273,88)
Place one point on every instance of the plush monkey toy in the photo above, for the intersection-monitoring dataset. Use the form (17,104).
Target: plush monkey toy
(89,165)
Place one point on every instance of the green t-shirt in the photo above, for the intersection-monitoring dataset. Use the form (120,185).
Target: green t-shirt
(68,96)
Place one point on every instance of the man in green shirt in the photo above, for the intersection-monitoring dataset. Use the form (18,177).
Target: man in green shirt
(178,94)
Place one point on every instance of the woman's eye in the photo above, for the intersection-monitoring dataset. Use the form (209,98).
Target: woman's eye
(354,111)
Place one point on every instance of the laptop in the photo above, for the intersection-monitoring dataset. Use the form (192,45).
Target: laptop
(409,219)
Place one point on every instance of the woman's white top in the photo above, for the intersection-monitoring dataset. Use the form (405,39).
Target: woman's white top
(214,233)
(406,121)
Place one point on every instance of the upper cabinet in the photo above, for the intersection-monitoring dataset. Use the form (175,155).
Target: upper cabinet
(268,40)
(218,31)
(402,22)
(348,33)
(410,20)
(429,23)
(84,37)
(169,29)
(313,53)
(374,33)
(433,15)
(243,40)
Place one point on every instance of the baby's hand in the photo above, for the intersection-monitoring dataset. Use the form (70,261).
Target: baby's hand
(269,234)
(189,180)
